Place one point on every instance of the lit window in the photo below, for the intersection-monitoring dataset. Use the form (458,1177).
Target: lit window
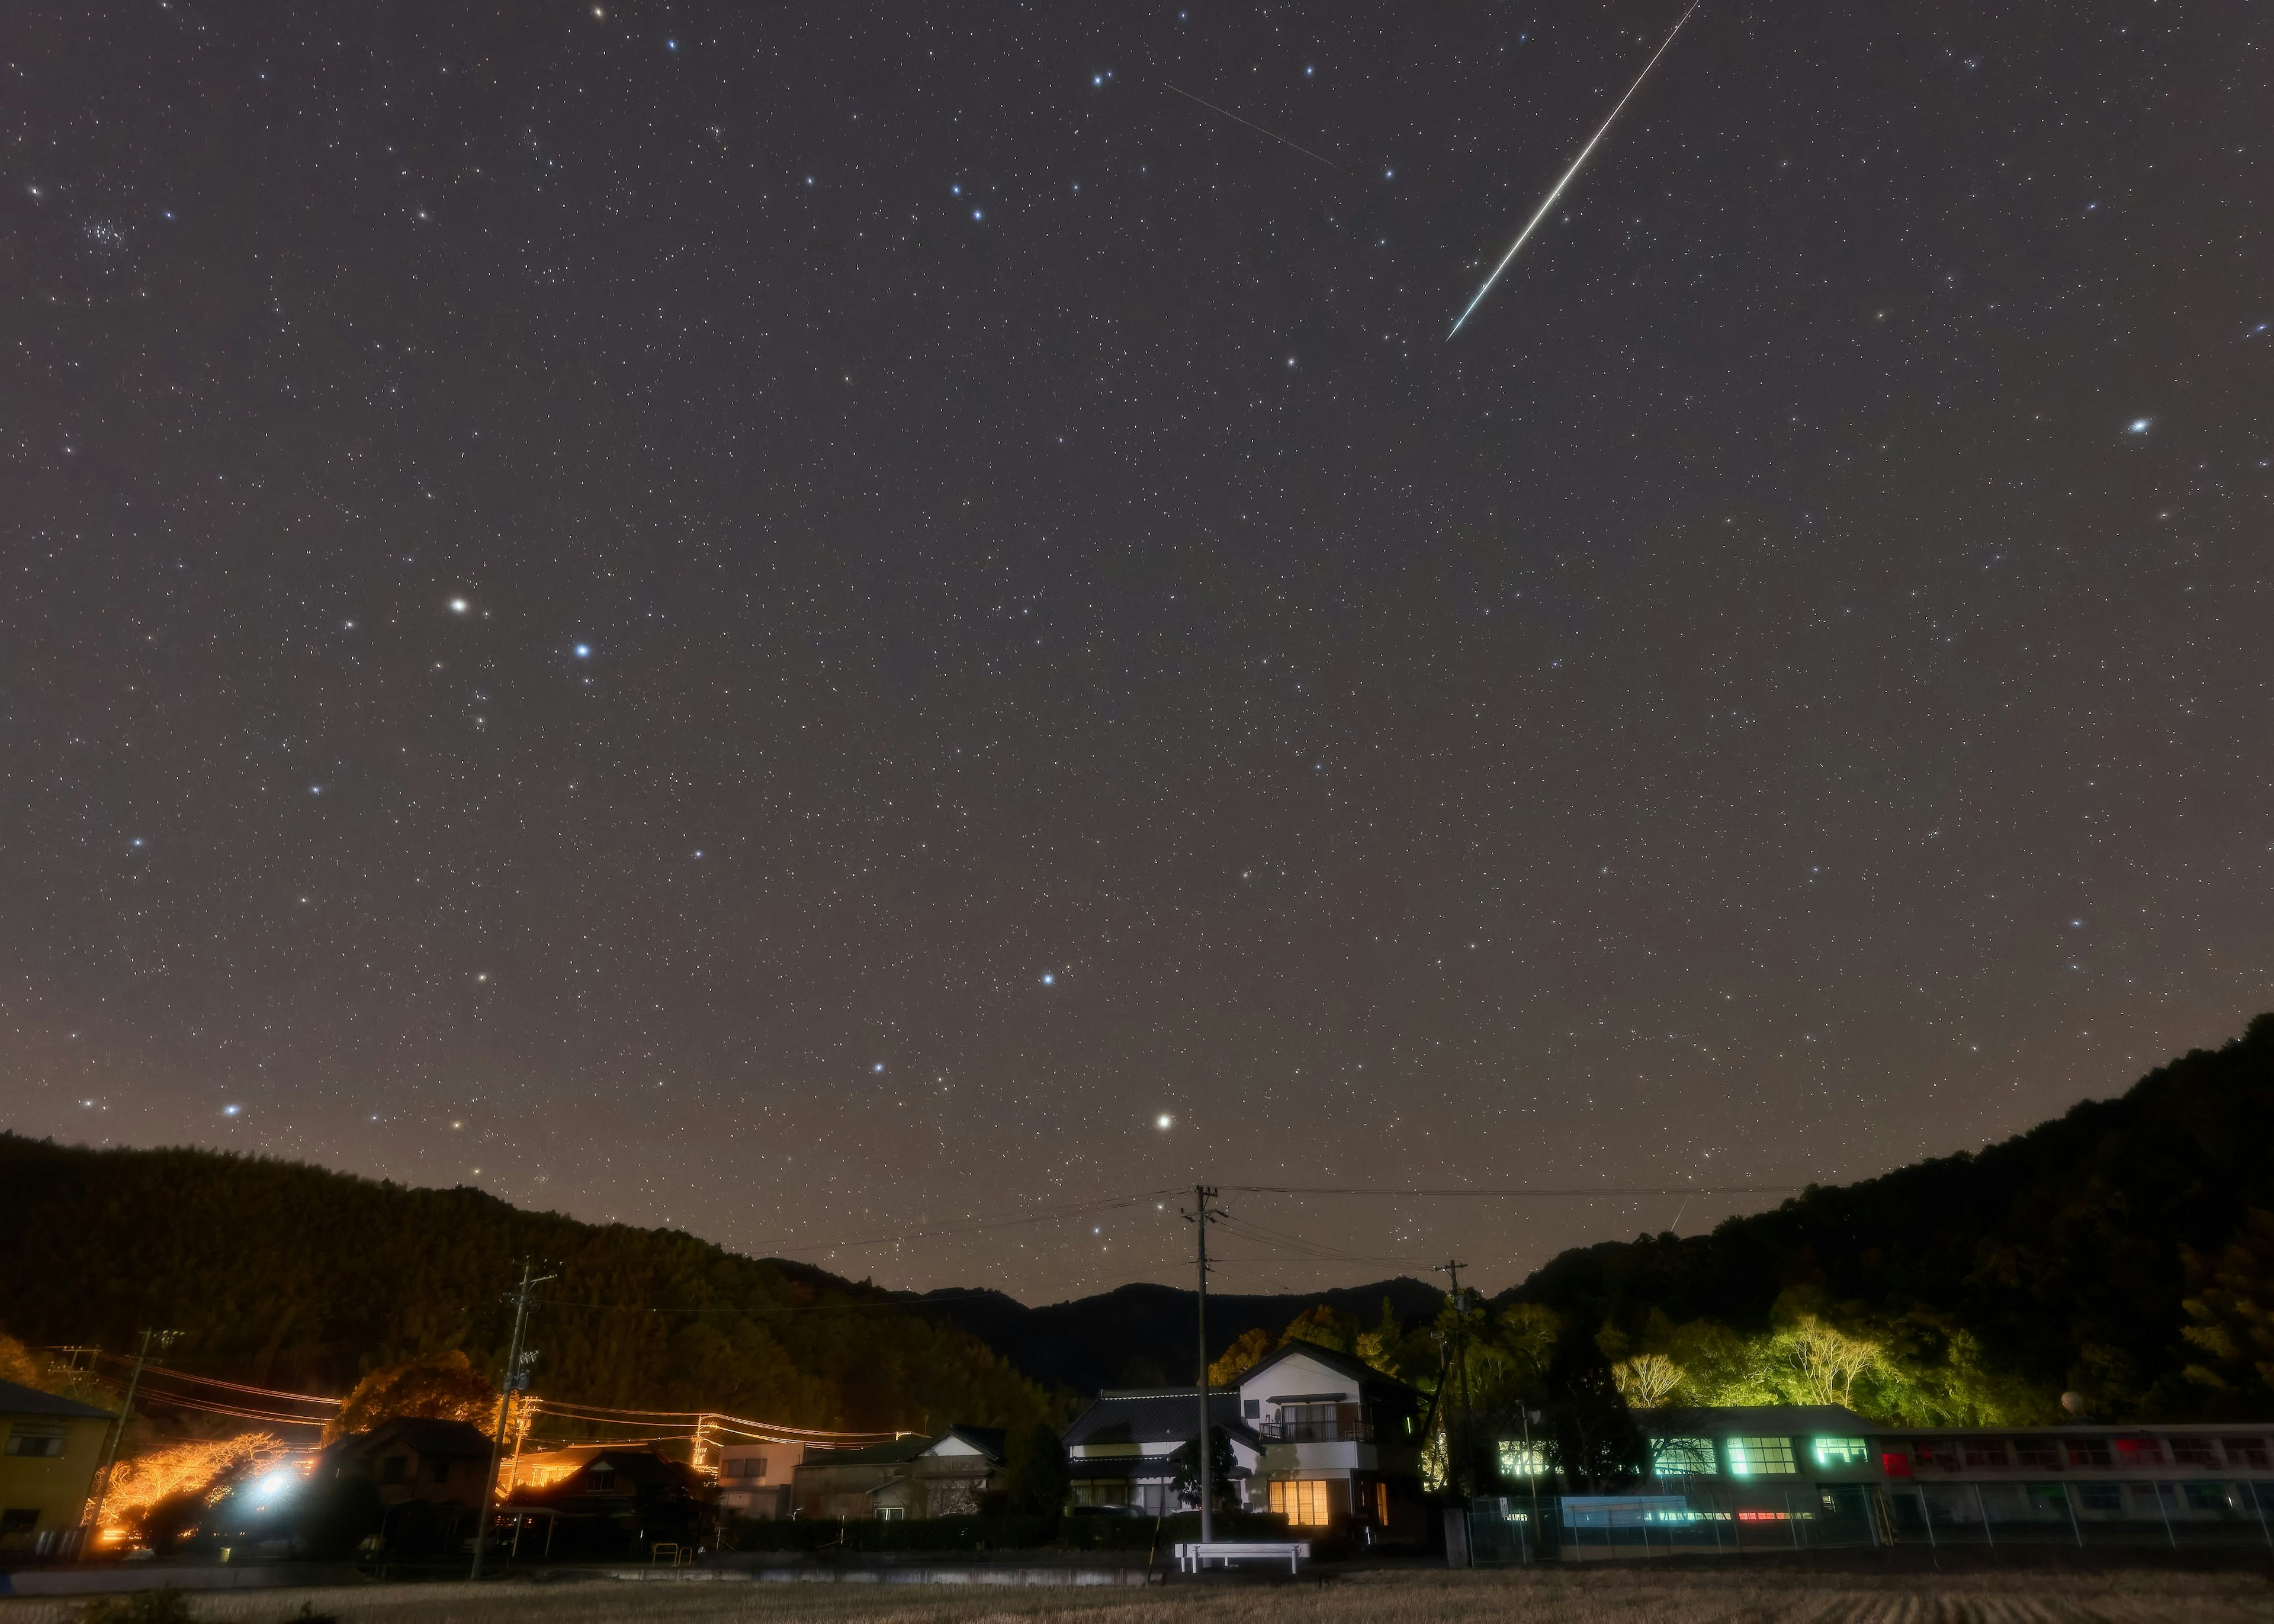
(1841,1453)
(1302,1504)
(1760,1457)
(1518,1459)
(890,1513)
(1683,1457)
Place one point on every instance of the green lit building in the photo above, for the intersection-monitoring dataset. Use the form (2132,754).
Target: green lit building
(1748,1476)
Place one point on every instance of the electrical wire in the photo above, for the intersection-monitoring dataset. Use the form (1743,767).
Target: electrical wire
(171,1373)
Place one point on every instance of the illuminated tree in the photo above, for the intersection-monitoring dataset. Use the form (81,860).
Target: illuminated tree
(1825,1360)
(1647,1381)
(1242,1356)
(441,1386)
(2231,1308)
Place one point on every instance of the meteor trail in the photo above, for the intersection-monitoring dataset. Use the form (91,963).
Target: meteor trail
(1250,123)
(1569,173)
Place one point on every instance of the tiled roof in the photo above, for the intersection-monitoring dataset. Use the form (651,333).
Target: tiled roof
(1357,1370)
(900,1450)
(1153,1416)
(987,1439)
(459,1440)
(19,1401)
(1742,1420)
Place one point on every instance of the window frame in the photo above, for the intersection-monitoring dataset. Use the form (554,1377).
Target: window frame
(1741,1451)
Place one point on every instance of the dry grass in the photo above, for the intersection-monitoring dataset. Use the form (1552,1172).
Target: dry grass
(1688,1597)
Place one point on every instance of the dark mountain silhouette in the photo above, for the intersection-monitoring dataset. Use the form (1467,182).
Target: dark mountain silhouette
(302,1278)
(2124,1251)
(2112,1252)
(1142,1336)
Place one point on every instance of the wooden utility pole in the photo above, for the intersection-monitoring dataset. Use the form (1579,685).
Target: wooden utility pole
(93,1519)
(1202,1215)
(1460,1476)
(515,1377)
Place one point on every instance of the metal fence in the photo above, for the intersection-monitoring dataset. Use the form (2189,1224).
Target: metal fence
(1736,1522)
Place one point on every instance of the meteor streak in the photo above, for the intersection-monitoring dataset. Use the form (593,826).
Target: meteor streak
(1569,173)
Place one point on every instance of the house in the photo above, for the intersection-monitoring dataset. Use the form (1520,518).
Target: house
(1121,1452)
(911,1477)
(755,1479)
(53,1450)
(619,1500)
(430,1475)
(1341,1445)
(414,1458)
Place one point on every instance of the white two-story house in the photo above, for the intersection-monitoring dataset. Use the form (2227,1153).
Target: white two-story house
(1340,1441)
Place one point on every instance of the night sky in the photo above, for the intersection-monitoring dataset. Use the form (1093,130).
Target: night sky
(797,620)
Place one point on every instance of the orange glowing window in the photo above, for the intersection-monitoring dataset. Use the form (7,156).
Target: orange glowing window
(1302,1504)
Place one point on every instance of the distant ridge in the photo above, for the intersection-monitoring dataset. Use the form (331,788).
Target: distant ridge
(2071,1252)
(1142,1336)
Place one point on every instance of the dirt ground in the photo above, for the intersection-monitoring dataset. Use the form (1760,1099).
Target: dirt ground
(2020,1598)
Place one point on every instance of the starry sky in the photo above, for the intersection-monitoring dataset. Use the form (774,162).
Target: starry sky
(806,621)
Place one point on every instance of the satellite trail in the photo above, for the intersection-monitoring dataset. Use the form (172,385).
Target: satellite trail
(1250,123)
(1569,173)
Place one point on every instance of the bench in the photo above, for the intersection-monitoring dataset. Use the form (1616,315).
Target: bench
(1193,1557)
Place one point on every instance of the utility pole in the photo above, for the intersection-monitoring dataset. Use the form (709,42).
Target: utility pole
(94,1523)
(1202,1215)
(515,1379)
(1460,1477)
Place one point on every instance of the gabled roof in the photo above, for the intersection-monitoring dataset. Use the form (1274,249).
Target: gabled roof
(20,1400)
(898,1452)
(449,1440)
(1766,1420)
(1359,1373)
(986,1440)
(1155,1416)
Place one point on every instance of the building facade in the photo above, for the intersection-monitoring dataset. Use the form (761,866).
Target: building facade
(1821,1473)
(910,1477)
(755,1479)
(1123,1451)
(53,1449)
(1340,1443)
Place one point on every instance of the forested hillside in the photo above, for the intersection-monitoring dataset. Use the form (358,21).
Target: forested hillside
(2124,1251)
(1142,1336)
(295,1276)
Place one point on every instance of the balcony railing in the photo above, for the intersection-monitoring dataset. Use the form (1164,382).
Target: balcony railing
(1332,1429)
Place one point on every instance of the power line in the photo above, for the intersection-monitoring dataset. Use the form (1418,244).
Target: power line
(171,1374)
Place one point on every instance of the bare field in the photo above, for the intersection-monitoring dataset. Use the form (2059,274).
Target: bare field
(1359,1598)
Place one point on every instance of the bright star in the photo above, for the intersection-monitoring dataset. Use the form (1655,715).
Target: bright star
(978,214)
(1049,978)
(583,651)
(877,1067)
(458,605)
(229,1110)
(2139,425)
(1161,1121)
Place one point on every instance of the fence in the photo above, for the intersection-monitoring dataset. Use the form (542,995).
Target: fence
(1735,1521)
